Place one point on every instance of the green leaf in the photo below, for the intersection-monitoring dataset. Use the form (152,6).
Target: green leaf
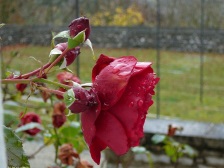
(72,117)
(15,153)
(69,97)
(29,126)
(7,74)
(158,138)
(53,58)
(72,134)
(77,40)
(62,34)
(10,119)
(171,152)
(189,151)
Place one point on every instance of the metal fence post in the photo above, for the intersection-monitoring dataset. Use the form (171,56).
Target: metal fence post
(202,53)
(158,60)
(77,59)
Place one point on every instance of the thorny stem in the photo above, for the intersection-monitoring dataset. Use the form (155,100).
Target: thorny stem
(56,61)
(54,83)
(46,68)
(27,75)
(57,92)
(26,81)
(4,81)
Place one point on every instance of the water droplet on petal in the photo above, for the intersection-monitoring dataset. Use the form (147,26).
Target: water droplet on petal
(131,104)
(79,26)
(124,73)
(105,104)
(129,93)
(115,71)
(140,103)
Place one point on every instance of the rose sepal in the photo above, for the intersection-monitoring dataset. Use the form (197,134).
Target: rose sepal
(69,97)
(77,40)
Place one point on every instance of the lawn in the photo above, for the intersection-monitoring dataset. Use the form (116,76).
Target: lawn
(179,73)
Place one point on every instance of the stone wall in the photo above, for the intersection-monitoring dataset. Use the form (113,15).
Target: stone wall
(206,138)
(178,39)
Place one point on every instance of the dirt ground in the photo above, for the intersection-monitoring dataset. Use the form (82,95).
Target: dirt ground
(45,157)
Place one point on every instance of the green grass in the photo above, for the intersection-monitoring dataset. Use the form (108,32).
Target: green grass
(179,83)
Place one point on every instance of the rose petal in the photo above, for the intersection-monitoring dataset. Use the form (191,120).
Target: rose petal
(88,119)
(141,66)
(132,107)
(95,148)
(109,131)
(101,63)
(110,83)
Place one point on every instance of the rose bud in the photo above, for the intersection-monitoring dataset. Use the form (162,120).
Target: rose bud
(58,117)
(71,55)
(67,77)
(78,25)
(28,118)
(67,154)
(172,130)
(21,87)
(59,96)
(124,88)
(45,95)
(84,100)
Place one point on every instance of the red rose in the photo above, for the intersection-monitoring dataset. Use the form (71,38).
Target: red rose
(58,117)
(28,118)
(124,88)
(71,54)
(78,25)
(21,87)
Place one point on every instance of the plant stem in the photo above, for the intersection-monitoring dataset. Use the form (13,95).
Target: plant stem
(56,61)
(52,83)
(27,75)
(57,143)
(57,92)
(46,67)
(4,81)
(26,81)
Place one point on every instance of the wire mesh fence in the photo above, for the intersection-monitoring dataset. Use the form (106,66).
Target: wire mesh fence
(184,39)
